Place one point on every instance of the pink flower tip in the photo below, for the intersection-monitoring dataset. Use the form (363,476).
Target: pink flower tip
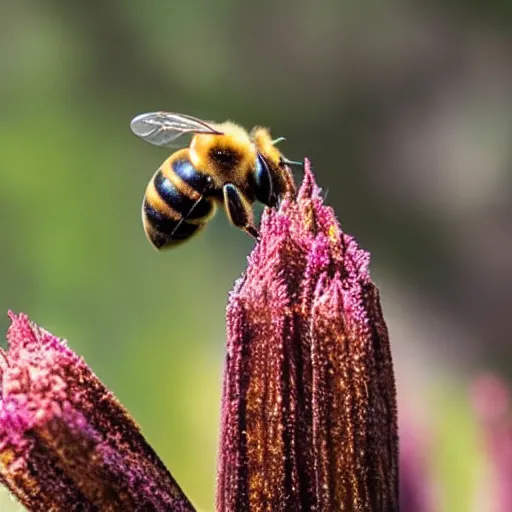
(65,441)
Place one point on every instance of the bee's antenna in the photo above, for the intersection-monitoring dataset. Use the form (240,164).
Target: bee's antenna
(278,140)
(292,162)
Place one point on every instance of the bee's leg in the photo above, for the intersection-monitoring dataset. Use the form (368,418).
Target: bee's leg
(290,187)
(185,217)
(239,210)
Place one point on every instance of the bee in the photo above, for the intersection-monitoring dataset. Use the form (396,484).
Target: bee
(224,165)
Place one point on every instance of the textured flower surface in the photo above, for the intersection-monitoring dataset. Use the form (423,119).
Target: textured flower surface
(309,419)
(65,441)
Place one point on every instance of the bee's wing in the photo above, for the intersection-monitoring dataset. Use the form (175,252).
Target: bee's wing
(162,128)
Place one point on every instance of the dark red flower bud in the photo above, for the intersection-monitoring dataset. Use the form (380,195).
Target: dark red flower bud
(309,419)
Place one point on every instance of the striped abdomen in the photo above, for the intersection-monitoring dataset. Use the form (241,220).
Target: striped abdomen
(176,205)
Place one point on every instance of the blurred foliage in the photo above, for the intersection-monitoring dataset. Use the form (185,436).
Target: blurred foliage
(335,78)
(455,461)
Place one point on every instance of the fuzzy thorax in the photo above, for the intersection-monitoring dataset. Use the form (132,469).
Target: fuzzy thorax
(228,157)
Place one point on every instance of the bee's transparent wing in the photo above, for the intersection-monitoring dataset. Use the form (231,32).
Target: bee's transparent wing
(162,128)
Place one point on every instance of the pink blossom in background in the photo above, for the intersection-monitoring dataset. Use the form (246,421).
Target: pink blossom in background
(491,403)
(416,486)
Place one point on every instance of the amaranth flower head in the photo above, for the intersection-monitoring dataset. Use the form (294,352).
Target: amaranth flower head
(309,419)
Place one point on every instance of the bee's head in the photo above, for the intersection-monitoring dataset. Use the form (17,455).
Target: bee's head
(277,165)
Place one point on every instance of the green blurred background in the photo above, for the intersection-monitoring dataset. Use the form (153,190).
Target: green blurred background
(405,112)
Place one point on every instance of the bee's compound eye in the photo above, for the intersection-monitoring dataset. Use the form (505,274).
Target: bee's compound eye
(264,185)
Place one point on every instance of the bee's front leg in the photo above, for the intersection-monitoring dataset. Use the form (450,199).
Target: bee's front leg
(239,210)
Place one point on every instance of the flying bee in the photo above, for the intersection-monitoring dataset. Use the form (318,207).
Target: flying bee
(223,165)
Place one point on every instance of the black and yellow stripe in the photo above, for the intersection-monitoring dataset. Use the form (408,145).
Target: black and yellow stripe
(176,205)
